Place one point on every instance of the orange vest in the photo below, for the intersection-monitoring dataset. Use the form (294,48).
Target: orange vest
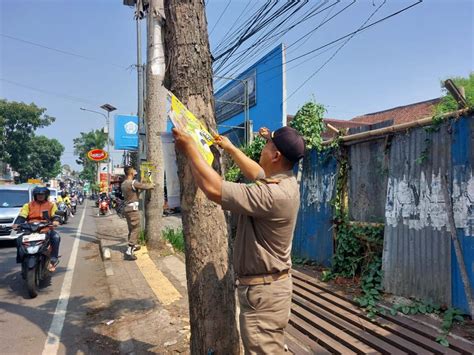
(35,213)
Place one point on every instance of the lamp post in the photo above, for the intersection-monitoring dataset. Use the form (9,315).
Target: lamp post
(109,108)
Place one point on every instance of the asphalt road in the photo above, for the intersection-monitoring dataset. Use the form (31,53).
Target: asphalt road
(67,315)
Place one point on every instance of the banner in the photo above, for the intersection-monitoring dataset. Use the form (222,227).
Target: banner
(171,171)
(126,132)
(183,119)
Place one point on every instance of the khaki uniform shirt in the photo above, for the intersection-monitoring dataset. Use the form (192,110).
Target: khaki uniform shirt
(267,216)
(131,190)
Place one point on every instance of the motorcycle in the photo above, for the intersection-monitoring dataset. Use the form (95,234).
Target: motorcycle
(34,253)
(103,207)
(80,200)
(73,206)
(64,215)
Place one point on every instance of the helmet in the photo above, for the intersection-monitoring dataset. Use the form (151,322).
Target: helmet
(38,190)
(63,194)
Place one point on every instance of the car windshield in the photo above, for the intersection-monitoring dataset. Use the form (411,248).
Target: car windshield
(13,198)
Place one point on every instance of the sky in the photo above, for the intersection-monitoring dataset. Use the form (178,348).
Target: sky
(398,62)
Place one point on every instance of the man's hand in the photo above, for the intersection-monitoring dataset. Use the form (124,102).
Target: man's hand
(265,133)
(55,223)
(182,140)
(15,226)
(224,142)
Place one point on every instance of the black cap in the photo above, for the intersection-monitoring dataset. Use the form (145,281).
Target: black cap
(289,142)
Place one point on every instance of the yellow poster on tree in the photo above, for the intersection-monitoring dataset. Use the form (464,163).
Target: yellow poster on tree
(184,119)
(146,170)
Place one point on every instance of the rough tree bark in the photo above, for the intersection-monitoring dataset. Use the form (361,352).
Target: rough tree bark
(155,118)
(208,270)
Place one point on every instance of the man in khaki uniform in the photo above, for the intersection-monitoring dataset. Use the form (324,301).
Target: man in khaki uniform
(267,216)
(131,192)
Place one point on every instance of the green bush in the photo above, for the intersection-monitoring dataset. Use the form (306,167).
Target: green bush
(175,237)
(448,104)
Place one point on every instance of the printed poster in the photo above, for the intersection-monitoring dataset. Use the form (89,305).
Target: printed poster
(184,119)
(146,170)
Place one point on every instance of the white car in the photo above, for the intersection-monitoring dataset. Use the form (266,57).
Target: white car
(12,199)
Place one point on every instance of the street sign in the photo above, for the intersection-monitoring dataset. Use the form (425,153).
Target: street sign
(97,154)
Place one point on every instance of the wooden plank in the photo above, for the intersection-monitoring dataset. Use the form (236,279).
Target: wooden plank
(414,331)
(371,327)
(369,341)
(320,337)
(300,344)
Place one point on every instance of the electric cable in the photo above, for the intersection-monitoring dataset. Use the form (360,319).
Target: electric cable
(220,17)
(58,50)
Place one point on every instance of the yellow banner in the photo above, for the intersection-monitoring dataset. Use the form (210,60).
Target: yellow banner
(184,119)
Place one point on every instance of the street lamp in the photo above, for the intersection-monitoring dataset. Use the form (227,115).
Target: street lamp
(109,108)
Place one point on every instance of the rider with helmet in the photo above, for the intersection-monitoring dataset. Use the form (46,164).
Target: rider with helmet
(65,198)
(41,210)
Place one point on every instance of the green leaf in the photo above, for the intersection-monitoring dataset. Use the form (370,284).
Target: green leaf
(405,309)
(443,341)
(393,311)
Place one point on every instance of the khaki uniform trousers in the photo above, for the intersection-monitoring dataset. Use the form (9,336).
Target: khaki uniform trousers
(133,223)
(264,314)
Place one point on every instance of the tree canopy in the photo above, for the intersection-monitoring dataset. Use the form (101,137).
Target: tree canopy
(20,148)
(96,139)
(448,103)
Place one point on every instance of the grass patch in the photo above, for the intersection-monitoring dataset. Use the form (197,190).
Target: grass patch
(175,237)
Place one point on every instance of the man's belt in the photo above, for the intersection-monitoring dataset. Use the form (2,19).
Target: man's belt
(262,279)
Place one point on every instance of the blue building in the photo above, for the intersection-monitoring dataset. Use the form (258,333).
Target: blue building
(266,85)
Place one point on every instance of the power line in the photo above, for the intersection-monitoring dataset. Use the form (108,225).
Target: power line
(220,17)
(238,63)
(336,51)
(68,97)
(59,50)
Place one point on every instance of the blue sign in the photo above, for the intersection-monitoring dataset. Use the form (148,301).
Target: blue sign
(126,132)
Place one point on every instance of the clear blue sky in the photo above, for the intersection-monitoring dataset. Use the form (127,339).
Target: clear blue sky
(398,62)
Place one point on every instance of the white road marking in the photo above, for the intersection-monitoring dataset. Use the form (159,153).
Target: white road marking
(53,339)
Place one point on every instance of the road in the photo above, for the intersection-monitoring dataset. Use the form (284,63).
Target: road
(71,310)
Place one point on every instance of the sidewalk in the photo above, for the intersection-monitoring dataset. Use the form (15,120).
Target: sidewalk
(149,294)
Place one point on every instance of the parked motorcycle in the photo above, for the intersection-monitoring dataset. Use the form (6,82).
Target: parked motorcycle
(120,207)
(64,215)
(34,252)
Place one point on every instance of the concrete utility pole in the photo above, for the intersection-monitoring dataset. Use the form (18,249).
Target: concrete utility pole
(155,119)
(208,270)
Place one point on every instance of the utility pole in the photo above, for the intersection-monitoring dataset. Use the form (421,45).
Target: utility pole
(155,120)
(208,270)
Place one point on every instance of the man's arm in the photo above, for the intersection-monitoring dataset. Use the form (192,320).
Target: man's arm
(208,180)
(142,186)
(251,169)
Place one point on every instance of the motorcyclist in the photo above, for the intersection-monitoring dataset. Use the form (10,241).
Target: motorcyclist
(103,197)
(74,198)
(36,211)
(66,199)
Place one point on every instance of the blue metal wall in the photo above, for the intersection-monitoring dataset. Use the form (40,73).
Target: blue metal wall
(269,109)
(462,157)
(314,234)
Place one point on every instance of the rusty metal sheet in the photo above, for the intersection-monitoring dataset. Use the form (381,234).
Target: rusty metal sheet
(313,234)
(417,248)
(368,175)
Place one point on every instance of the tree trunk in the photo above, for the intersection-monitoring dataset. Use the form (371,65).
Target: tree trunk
(208,270)
(155,118)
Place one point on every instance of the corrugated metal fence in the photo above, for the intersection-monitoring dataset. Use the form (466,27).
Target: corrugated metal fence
(396,179)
